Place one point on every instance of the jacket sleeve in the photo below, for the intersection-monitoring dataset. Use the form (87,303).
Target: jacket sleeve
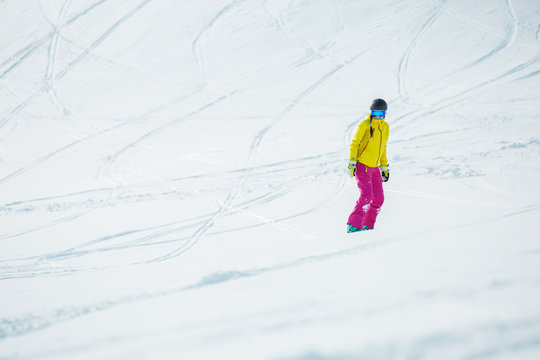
(384,160)
(355,144)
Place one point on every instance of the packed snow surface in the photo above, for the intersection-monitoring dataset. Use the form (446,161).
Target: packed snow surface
(173,185)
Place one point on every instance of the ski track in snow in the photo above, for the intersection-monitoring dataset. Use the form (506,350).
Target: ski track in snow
(183,234)
(507,40)
(456,99)
(53,50)
(196,45)
(32,322)
(158,129)
(463,95)
(101,39)
(256,144)
(258,138)
(58,203)
(514,31)
(151,239)
(38,264)
(22,55)
(404,63)
(254,148)
(313,50)
(104,171)
(66,70)
(97,134)
(28,323)
(254,151)
(51,69)
(17,327)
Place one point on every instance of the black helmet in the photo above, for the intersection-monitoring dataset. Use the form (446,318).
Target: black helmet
(378,104)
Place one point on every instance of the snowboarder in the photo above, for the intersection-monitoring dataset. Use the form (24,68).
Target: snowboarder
(368,163)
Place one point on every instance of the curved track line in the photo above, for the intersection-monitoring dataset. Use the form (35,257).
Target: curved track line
(462,96)
(195,47)
(44,158)
(71,65)
(529,75)
(28,323)
(111,159)
(297,37)
(21,55)
(48,156)
(254,150)
(101,39)
(209,223)
(47,225)
(78,251)
(514,22)
(189,241)
(404,62)
(270,168)
(224,208)
(165,229)
(51,64)
(508,39)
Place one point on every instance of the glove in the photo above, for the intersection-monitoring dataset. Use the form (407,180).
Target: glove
(352,168)
(385,173)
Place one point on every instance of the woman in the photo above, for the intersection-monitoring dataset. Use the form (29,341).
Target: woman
(369,164)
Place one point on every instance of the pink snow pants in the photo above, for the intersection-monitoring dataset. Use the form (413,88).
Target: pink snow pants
(371,198)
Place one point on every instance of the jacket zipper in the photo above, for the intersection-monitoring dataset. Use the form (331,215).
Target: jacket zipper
(380,144)
(370,136)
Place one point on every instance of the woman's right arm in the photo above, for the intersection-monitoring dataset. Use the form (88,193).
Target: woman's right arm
(357,139)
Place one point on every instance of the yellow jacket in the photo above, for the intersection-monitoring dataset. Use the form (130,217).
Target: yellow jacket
(368,149)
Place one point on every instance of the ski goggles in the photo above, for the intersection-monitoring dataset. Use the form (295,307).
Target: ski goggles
(378,113)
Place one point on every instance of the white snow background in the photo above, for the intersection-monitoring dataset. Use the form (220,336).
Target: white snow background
(173,186)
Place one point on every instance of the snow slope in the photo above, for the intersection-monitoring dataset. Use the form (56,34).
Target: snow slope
(172,180)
